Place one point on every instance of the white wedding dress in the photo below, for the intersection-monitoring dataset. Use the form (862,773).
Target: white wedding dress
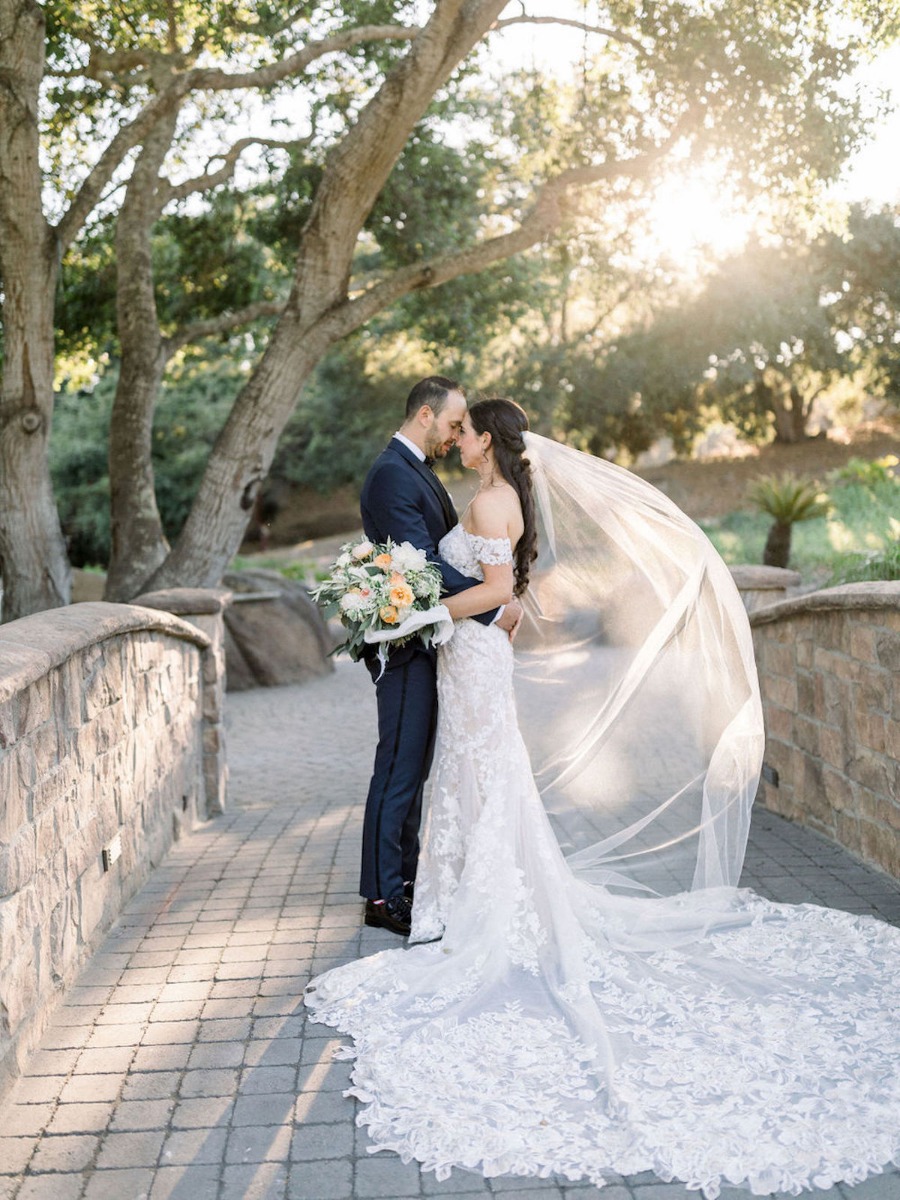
(559,1027)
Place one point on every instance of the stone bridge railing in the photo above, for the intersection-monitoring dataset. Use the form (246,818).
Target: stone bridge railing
(829,665)
(110,747)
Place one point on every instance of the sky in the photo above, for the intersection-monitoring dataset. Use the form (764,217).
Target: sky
(874,173)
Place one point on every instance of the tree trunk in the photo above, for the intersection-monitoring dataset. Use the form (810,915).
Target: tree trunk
(139,545)
(240,460)
(790,415)
(778,545)
(33,559)
(356,172)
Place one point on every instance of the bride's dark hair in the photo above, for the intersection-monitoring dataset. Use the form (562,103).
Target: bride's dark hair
(506,421)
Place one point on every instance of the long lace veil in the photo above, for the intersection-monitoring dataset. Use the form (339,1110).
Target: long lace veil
(635,682)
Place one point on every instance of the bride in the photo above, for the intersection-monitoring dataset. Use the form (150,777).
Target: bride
(592,994)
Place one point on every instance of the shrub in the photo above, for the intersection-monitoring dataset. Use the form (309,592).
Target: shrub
(787,499)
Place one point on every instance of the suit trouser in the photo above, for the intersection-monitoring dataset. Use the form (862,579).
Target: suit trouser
(406,696)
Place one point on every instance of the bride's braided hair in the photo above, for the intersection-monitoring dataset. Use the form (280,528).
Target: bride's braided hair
(506,421)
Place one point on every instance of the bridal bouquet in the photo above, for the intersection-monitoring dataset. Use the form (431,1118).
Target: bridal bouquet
(384,593)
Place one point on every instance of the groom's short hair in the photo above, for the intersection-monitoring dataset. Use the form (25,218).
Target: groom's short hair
(433,391)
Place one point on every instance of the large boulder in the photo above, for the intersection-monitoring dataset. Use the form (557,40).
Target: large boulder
(274,633)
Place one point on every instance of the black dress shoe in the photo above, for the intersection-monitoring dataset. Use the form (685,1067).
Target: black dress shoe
(394,914)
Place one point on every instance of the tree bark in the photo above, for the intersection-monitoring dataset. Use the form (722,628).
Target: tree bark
(32,550)
(139,544)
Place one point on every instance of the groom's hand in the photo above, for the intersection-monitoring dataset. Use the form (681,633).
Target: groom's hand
(511,618)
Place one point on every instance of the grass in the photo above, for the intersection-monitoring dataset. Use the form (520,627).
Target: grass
(302,569)
(858,539)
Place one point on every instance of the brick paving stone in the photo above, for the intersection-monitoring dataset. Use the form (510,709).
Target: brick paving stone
(36,1089)
(332,1180)
(66,1037)
(103,1037)
(53,1062)
(228,1029)
(266,1079)
(259,1143)
(165,1033)
(81,1118)
(141,1114)
(279,1052)
(161,1058)
(181,1010)
(130,1183)
(68,1152)
(233,1006)
(151,1085)
(87,1089)
(260,1181)
(26,1120)
(184,1146)
(384,1175)
(125,1014)
(319,1107)
(876,1187)
(460,1184)
(264,1110)
(52,1187)
(131,1149)
(216,1054)
(14,1154)
(192,1182)
(322,1141)
(107,1059)
(203,1113)
(211,1082)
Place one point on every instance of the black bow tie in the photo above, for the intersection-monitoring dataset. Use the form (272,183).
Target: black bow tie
(429,462)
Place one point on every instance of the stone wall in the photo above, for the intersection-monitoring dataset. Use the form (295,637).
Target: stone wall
(101,743)
(829,666)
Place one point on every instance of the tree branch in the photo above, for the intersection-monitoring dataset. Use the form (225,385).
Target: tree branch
(545,216)
(615,34)
(110,160)
(221,324)
(205,78)
(210,179)
(209,79)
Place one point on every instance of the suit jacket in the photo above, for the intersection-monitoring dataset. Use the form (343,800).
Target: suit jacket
(402,499)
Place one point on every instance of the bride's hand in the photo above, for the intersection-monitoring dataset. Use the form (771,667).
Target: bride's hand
(511,618)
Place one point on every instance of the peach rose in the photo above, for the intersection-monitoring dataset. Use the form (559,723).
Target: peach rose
(388,614)
(382,560)
(402,595)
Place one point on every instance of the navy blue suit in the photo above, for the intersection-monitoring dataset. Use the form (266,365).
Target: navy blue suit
(402,499)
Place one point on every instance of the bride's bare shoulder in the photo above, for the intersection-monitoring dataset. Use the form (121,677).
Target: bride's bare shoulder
(493,510)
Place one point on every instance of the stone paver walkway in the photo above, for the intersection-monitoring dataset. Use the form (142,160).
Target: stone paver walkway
(181,1066)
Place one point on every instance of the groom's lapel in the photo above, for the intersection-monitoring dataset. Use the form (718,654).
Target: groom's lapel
(430,478)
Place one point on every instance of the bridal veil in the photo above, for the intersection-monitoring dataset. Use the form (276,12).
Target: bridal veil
(635,682)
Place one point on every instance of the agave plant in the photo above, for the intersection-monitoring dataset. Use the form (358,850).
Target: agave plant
(787,499)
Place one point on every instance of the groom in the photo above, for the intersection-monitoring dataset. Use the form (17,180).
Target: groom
(404,500)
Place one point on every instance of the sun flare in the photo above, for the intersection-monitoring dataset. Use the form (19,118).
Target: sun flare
(690,223)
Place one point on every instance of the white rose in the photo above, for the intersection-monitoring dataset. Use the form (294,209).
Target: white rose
(407,557)
(343,560)
(352,603)
(363,550)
